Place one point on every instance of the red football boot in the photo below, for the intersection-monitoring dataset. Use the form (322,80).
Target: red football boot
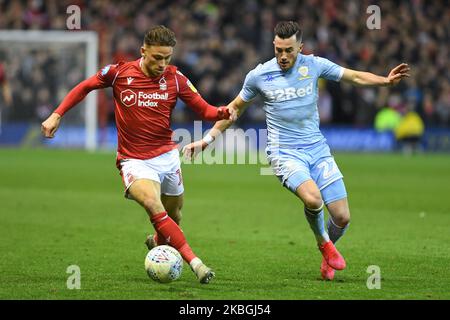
(326,271)
(334,259)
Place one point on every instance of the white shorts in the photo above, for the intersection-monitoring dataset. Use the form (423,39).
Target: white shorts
(164,169)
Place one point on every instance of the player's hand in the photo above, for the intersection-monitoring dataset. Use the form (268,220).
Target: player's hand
(191,150)
(49,126)
(227,113)
(397,74)
(233,113)
(223,113)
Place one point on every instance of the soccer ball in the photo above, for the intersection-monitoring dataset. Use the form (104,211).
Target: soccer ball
(164,264)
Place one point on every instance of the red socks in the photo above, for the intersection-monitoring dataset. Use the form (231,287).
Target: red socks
(172,234)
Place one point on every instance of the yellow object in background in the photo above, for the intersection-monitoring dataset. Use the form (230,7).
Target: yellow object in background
(387,119)
(411,125)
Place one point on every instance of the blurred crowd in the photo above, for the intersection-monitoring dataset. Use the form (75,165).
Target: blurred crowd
(220,41)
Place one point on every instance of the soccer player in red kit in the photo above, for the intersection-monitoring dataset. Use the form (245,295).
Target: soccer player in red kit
(145,93)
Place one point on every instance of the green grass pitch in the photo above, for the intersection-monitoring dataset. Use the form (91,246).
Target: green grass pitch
(60,208)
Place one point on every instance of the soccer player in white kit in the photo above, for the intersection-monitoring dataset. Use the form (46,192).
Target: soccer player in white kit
(296,148)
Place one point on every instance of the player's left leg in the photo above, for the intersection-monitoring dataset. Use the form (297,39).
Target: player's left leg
(339,220)
(173,206)
(335,198)
(172,190)
(292,167)
(309,193)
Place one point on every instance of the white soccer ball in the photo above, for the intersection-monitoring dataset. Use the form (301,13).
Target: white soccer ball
(164,264)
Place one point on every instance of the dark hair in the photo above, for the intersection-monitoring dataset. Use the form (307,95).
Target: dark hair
(286,29)
(160,36)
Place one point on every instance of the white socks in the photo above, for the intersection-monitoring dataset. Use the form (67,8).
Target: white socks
(195,262)
(317,224)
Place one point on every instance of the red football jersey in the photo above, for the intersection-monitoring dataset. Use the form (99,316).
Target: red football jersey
(143,106)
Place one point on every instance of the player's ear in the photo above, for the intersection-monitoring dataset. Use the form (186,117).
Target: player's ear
(300,47)
(142,51)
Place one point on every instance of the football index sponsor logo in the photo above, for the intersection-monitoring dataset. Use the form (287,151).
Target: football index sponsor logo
(142,99)
(146,99)
(128,97)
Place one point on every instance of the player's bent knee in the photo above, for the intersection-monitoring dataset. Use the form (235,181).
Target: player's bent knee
(310,195)
(342,219)
(341,222)
(312,201)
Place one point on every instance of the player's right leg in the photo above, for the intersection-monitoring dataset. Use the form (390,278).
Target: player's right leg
(147,194)
(309,193)
(292,168)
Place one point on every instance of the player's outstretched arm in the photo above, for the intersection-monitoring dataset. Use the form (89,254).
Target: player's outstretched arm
(235,109)
(367,79)
(51,124)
